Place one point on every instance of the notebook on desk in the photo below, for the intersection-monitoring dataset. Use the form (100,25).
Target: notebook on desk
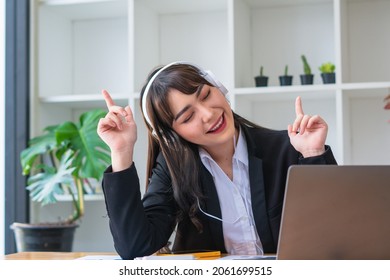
(336,212)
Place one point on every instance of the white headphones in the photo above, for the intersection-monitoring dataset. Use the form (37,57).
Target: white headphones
(208,75)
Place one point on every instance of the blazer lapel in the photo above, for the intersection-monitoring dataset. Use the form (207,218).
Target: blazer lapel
(212,207)
(259,206)
(256,179)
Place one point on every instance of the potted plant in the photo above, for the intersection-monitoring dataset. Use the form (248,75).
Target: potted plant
(327,73)
(261,80)
(306,78)
(63,160)
(286,79)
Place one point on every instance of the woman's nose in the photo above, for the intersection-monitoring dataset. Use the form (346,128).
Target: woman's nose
(206,113)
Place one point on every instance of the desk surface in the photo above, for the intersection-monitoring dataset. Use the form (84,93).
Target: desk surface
(76,255)
(51,255)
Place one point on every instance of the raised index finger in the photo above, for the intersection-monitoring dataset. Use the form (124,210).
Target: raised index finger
(298,106)
(108,99)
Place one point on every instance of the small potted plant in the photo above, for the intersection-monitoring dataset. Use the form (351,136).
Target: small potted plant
(327,73)
(65,159)
(286,79)
(261,80)
(306,78)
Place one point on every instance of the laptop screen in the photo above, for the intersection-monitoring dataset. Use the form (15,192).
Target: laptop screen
(336,212)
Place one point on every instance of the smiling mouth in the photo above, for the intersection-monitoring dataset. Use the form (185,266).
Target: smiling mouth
(218,125)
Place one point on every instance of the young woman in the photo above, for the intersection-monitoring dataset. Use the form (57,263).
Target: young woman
(213,176)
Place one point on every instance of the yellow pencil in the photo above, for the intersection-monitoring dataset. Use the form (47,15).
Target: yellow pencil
(210,255)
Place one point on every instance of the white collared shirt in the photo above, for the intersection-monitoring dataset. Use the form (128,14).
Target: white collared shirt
(239,229)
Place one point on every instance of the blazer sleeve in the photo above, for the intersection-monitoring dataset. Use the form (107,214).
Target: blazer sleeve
(139,227)
(326,158)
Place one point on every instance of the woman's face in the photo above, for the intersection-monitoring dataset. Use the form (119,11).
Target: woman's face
(203,118)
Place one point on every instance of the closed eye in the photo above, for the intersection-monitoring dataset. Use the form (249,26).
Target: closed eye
(207,95)
(187,119)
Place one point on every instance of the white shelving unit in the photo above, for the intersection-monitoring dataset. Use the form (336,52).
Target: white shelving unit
(80,47)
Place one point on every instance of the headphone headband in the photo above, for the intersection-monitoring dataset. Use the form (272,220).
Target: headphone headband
(208,75)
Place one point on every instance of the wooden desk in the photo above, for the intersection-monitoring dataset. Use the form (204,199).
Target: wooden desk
(51,255)
(61,255)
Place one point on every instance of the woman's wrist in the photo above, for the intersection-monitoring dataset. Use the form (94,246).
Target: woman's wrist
(121,160)
(313,153)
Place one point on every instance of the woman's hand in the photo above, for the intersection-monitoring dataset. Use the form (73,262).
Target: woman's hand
(307,133)
(119,131)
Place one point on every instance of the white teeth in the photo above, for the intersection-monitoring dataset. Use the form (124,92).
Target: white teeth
(217,126)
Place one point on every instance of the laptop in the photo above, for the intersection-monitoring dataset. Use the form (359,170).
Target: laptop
(336,212)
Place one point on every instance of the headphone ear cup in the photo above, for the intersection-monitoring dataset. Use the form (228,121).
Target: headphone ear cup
(210,77)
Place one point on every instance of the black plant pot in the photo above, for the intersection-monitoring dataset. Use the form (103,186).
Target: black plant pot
(44,238)
(261,81)
(307,79)
(328,78)
(285,80)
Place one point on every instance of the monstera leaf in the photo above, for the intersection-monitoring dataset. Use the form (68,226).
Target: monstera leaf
(38,146)
(45,185)
(91,153)
(76,154)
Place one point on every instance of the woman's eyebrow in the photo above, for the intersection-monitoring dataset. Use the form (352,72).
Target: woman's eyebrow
(182,111)
(199,90)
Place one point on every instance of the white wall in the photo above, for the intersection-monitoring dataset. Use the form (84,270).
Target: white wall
(2,122)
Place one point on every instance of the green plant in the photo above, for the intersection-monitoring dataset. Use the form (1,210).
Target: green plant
(261,71)
(306,66)
(327,67)
(286,70)
(64,159)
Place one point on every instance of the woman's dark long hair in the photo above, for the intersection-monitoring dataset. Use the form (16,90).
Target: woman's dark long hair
(181,156)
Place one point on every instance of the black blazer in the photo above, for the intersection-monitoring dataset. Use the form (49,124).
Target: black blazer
(141,227)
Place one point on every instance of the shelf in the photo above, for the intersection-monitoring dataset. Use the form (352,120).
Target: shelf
(87,197)
(276,3)
(308,89)
(87,9)
(263,93)
(363,86)
(180,6)
(86,100)
(283,89)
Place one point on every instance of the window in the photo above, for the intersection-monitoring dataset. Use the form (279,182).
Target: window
(2,122)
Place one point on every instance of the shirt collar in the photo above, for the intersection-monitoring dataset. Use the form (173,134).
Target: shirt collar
(240,153)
